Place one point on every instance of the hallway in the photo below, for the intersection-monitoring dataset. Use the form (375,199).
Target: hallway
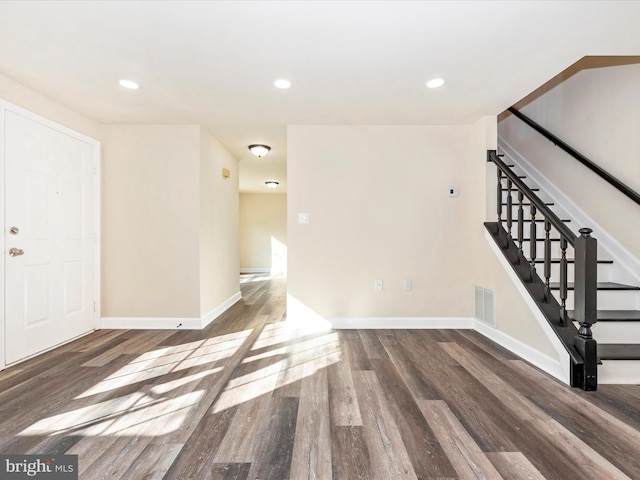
(250,398)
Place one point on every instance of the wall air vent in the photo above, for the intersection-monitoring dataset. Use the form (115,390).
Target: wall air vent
(485,309)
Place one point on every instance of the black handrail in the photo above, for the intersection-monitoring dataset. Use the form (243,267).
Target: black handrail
(629,192)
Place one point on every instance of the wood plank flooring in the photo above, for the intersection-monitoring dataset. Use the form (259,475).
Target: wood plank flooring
(249,398)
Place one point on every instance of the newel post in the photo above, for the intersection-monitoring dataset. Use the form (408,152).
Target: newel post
(586,304)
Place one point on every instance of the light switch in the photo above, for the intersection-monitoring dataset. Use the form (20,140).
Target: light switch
(454,191)
(303,218)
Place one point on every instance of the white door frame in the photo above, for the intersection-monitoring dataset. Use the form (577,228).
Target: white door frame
(9,107)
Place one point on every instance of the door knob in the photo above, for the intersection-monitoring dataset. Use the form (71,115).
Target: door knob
(14,252)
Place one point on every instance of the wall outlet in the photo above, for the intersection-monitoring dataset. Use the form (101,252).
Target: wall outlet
(377,285)
(407,285)
(454,191)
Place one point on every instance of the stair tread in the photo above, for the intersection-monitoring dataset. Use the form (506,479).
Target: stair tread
(619,351)
(601,286)
(613,315)
(569,260)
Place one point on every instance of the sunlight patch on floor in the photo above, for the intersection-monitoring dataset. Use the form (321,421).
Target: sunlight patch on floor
(154,393)
(91,419)
(157,418)
(165,360)
(301,356)
(167,387)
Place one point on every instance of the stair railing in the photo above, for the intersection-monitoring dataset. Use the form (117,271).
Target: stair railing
(585,254)
(601,172)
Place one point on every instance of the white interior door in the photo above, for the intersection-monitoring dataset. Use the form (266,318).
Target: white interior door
(49,237)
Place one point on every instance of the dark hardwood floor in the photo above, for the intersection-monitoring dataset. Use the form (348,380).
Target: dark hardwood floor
(250,398)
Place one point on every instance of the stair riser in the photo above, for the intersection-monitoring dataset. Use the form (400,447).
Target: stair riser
(616,332)
(609,300)
(619,371)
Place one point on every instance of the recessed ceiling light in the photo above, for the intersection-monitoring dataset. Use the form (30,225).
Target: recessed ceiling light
(130,84)
(282,83)
(435,83)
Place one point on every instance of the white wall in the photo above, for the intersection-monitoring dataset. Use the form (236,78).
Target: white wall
(35,102)
(379,208)
(170,224)
(219,251)
(596,111)
(150,221)
(263,226)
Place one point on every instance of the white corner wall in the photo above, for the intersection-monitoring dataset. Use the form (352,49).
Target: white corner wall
(170,227)
(219,228)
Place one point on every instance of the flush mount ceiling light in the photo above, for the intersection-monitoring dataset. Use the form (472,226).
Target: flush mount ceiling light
(259,150)
(272,184)
(435,83)
(130,84)
(282,83)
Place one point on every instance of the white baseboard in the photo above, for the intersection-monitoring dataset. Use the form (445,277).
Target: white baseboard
(220,309)
(151,323)
(543,362)
(550,365)
(403,323)
(169,323)
(540,360)
(255,270)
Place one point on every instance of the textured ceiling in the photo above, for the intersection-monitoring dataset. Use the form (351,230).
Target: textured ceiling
(362,62)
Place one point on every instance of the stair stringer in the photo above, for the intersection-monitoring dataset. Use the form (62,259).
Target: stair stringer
(559,368)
